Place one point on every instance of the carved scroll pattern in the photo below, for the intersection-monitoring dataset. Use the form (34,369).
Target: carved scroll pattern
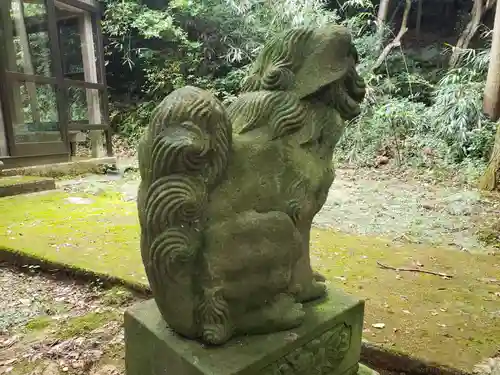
(321,356)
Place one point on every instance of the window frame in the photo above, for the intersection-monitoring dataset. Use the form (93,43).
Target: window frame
(57,80)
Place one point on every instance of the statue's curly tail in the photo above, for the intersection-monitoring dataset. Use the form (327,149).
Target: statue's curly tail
(182,156)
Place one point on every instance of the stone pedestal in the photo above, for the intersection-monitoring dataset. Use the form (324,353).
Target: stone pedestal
(327,343)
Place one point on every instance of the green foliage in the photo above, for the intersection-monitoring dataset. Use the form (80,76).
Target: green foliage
(152,51)
(416,112)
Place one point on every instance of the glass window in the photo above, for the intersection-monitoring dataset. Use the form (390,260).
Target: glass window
(85,105)
(36,117)
(77,43)
(29,48)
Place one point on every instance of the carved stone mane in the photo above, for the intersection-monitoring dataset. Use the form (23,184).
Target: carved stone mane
(227,196)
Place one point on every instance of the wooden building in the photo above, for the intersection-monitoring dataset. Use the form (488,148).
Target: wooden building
(52,81)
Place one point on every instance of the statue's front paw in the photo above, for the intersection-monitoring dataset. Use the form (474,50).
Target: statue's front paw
(318,277)
(286,312)
(310,291)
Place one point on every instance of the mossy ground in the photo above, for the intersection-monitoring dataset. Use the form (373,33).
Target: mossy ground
(73,327)
(38,324)
(454,321)
(489,233)
(46,328)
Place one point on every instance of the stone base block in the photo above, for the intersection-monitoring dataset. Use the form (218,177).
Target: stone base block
(15,185)
(327,343)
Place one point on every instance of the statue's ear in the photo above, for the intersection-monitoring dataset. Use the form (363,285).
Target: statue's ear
(278,78)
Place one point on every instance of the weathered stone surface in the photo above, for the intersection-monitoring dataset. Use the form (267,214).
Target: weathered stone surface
(327,343)
(228,195)
(16,185)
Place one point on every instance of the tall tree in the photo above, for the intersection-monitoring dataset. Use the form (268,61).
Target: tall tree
(479,10)
(491,106)
(396,42)
(383,9)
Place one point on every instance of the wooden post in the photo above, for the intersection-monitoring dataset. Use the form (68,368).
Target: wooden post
(4,151)
(491,102)
(15,104)
(90,72)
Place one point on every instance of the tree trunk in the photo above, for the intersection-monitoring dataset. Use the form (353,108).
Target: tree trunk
(491,103)
(491,106)
(383,9)
(478,11)
(396,42)
(419,18)
(491,179)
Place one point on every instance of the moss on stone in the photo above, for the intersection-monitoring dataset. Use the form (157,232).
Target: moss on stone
(74,168)
(19,180)
(453,322)
(101,236)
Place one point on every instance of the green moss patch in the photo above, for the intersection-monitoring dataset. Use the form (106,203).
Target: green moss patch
(82,325)
(455,321)
(117,296)
(39,323)
(71,327)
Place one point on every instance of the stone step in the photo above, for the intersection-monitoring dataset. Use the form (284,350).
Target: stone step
(15,185)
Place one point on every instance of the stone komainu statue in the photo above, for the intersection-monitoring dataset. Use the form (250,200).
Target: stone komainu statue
(228,196)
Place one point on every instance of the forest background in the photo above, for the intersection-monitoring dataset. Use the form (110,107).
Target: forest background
(425,63)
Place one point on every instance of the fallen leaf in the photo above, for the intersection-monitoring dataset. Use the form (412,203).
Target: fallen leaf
(9,342)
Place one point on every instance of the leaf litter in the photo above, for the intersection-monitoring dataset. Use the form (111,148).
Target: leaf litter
(37,311)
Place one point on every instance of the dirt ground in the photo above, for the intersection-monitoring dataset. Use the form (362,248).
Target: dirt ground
(51,326)
(376,202)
